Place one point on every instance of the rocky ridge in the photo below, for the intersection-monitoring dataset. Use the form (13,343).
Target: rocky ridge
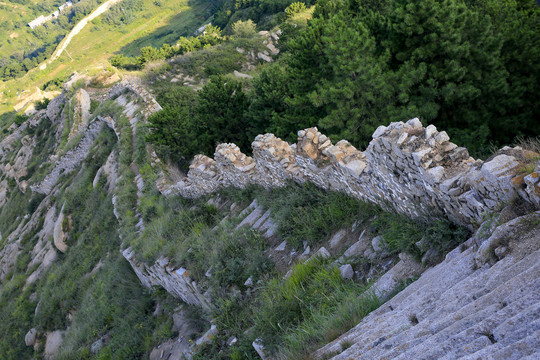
(407,168)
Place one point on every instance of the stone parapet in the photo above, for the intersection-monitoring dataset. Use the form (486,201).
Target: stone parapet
(406,168)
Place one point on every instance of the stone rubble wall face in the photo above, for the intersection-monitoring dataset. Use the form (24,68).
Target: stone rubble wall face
(176,281)
(71,160)
(150,104)
(406,168)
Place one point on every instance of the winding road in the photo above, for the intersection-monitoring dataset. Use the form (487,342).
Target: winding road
(65,42)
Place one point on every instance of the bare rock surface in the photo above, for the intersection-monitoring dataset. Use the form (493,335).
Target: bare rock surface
(53,343)
(176,281)
(58,235)
(81,112)
(458,310)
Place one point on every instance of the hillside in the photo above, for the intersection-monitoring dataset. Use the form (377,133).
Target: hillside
(226,252)
(89,51)
(297,180)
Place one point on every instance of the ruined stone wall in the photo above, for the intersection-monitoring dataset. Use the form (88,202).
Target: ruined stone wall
(150,104)
(406,168)
(176,281)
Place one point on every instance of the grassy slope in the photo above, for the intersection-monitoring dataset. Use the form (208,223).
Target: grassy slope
(96,43)
(15,35)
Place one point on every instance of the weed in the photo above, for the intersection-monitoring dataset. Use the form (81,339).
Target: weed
(489,334)
(345,344)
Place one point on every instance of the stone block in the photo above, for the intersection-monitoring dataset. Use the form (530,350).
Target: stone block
(30,337)
(338,238)
(346,271)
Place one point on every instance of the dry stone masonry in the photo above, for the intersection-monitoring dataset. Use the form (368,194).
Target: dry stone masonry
(407,168)
(150,104)
(81,112)
(176,281)
(71,160)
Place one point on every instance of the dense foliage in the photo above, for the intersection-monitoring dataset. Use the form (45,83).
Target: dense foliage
(444,61)
(266,13)
(197,122)
(211,36)
(468,67)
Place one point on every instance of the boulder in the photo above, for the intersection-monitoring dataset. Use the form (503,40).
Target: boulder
(338,238)
(53,343)
(346,271)
(30,337)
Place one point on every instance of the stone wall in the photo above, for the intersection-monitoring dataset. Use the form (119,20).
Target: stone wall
(176,281)
(71,160)
(406,168)
(150,104)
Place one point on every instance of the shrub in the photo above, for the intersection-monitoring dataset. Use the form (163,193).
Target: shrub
(124,62)
(244,28)
(40,105)
(295,8)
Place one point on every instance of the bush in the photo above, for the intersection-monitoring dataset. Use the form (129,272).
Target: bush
(41,105)
(244,28)
(295,8)
(20,119)
(124,62)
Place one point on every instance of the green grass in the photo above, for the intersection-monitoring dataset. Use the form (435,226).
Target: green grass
(293,316)
(96,43)
(306,212)
(13,210)
(111,301)
(312,306)
(218,60)
(400,234)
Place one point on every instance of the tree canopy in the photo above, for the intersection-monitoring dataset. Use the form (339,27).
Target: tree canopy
(470,67)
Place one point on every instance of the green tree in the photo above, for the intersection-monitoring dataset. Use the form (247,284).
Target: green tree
(220,111)
(517,24)
(356,94)
(244,28)
(295,8)
(211,36)
(360,63)
(149,54)
(268,102)
(461,81)
(192,123)
(172,130)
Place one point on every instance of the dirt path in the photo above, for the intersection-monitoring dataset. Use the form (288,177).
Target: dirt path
(64,43)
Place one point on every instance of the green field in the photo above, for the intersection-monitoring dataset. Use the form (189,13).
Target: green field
(89,51)
(15,35)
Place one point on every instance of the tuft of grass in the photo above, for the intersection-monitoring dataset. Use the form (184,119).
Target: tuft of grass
(401,234)
(308,213)
(310,308)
